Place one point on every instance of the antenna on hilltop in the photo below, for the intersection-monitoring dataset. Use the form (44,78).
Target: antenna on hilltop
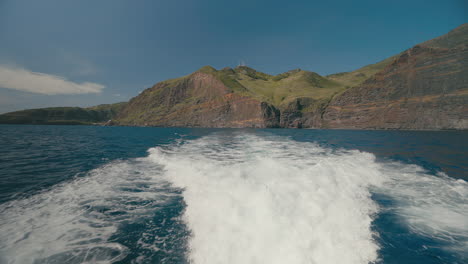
(241,63)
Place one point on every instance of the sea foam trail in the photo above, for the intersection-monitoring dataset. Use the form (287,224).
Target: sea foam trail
(432,206)
(258,200)
(249,199)
(74,221)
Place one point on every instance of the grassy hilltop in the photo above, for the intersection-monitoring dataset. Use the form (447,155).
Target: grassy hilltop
(421,88)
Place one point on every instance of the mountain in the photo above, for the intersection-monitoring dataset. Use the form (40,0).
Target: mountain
(424,87)
(63,115)
(239,97)
(205,98)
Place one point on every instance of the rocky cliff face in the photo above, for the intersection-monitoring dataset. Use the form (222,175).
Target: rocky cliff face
(426,87)
(239,97)
(304,112)
(198,100)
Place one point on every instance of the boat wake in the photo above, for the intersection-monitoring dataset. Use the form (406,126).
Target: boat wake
(234,198)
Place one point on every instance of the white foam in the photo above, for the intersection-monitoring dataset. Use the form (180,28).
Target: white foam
(257,200)
(434,206)
(72,222)
(250,199)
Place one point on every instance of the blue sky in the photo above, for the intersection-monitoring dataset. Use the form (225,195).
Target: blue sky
(83,53)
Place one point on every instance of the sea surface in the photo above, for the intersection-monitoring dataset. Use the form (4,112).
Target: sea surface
(85,194)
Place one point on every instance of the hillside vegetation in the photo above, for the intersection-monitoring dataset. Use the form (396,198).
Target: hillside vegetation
(428,80)
(282,88)
(354,78)
(63,115)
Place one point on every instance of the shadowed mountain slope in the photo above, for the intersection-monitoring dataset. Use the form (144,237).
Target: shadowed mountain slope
(63,115)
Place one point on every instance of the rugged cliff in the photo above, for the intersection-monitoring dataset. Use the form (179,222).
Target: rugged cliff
(425,87)
(239,97)
(201,99)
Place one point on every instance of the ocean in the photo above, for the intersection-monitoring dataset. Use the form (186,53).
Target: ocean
(89,194)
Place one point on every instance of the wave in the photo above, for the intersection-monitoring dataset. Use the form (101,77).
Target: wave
(234,198)
(74,222)
(254,200)
(431,206)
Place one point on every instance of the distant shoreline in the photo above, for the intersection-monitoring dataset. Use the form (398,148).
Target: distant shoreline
(292,128)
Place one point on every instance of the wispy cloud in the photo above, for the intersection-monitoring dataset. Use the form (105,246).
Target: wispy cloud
(41,83)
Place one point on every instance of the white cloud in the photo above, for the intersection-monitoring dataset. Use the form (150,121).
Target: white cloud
(36,82)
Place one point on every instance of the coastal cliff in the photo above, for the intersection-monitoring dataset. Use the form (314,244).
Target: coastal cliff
(198,100)
(424,87)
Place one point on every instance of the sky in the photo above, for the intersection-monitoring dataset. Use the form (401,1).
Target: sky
(88,52)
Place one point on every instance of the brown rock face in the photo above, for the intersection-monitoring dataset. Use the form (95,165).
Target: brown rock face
(425,88)
(199,100)
(304,112)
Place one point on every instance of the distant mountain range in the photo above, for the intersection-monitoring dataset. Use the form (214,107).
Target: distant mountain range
(425,87)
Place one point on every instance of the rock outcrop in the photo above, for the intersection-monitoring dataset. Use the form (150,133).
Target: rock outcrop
(426,87)
(198,100)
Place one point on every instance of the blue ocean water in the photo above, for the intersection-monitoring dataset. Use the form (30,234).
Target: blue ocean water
(83,194)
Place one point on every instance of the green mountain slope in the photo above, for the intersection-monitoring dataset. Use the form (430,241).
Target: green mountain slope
(421,88)
(354,78)
(281,89)
(220,93)
(426,87)
(205,98)
(63,115)
(455,38)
